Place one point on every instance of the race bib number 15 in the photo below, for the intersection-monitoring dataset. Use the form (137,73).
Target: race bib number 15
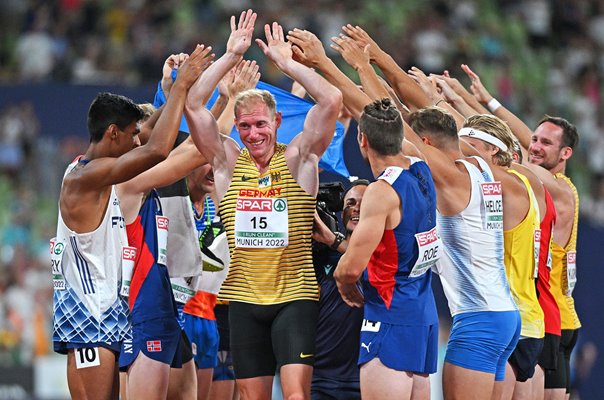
(261,222)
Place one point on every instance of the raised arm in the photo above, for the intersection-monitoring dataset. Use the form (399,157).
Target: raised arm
(522,132)
(358,58)
(242,77)
(461,90)
(219,153)
(309,51)
(239,41)
(403,85)
(320,122)
(431,90)
(106,171)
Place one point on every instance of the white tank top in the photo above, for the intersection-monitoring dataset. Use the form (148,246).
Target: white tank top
(86,303)
(472,270)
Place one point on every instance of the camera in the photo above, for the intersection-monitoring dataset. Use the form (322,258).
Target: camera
(329,203)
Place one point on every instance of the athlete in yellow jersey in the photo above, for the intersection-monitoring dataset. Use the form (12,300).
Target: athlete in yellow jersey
(519,247)
(549,148)
(492,138)
(266,194)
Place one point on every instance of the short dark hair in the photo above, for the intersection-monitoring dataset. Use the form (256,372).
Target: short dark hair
(109,108)
(358,182)
(382,123)
(436,122)
(570,136)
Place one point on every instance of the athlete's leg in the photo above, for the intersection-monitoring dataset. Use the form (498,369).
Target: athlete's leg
(464,383)
(222,390)
(538,383)
(204,382)
(123,385)
(183,382)
(98,382)
(148,379)
(380,382)
(295,381)
(257,388)
(523,390)
(421,387)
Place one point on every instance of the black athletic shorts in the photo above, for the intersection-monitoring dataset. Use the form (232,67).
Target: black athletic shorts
(549,355)
(524,358)
(266,337)
(221,311)
(559,378)
(186,353)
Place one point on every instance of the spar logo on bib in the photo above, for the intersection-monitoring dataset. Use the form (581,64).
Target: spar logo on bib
(261,205)
(491,188)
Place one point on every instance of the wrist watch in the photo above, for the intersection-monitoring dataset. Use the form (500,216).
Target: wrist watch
(336,243)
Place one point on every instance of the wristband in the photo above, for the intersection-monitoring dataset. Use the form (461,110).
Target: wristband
(493,105)
(336,243)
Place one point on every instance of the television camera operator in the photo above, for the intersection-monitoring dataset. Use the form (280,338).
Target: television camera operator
(336,373)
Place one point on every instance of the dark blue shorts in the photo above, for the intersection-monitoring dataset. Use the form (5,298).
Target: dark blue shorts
(483,341)
(224,371)
(410,348)
(333,389)
(158,339)
(203,335)
(64,347)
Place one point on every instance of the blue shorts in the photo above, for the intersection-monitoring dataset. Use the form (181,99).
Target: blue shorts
(483,341)
(400,347)
(64,347)
(203,335)
(158,339)
(224,371)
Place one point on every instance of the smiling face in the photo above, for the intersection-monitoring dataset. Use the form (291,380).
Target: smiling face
(352,207)
(546,148)
(257,127)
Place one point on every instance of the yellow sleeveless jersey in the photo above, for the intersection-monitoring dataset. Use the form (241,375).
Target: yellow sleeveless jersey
(268,219)
(562,279)
(519,258)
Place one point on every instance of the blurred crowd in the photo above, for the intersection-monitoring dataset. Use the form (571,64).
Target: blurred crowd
(535,56)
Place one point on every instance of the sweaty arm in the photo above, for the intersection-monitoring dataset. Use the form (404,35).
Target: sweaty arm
(378,202)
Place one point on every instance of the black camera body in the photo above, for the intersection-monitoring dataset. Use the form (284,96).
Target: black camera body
(329,202)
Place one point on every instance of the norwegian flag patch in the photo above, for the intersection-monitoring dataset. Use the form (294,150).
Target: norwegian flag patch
(153,345)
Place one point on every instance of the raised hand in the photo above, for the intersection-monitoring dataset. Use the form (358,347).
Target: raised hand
(363,39)
(447,91)
(427,85)
(477,88)
(241,33)
(245,76)
(307,47)
(275,48)
(355,55)
(194,65)
(173,62)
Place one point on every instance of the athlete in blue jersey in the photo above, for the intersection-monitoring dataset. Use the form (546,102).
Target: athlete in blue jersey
(396,240)
(336,371)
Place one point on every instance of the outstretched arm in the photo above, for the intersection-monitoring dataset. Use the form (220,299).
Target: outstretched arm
(403,85)
(244,76)
(519,128)
(431,90)
(106,171)
(220,154)
(358,58)
(309,51)
(320,122)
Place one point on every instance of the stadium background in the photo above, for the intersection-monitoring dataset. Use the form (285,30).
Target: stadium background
(535,56)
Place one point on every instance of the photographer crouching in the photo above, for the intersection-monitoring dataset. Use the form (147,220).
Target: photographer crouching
(336,373)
